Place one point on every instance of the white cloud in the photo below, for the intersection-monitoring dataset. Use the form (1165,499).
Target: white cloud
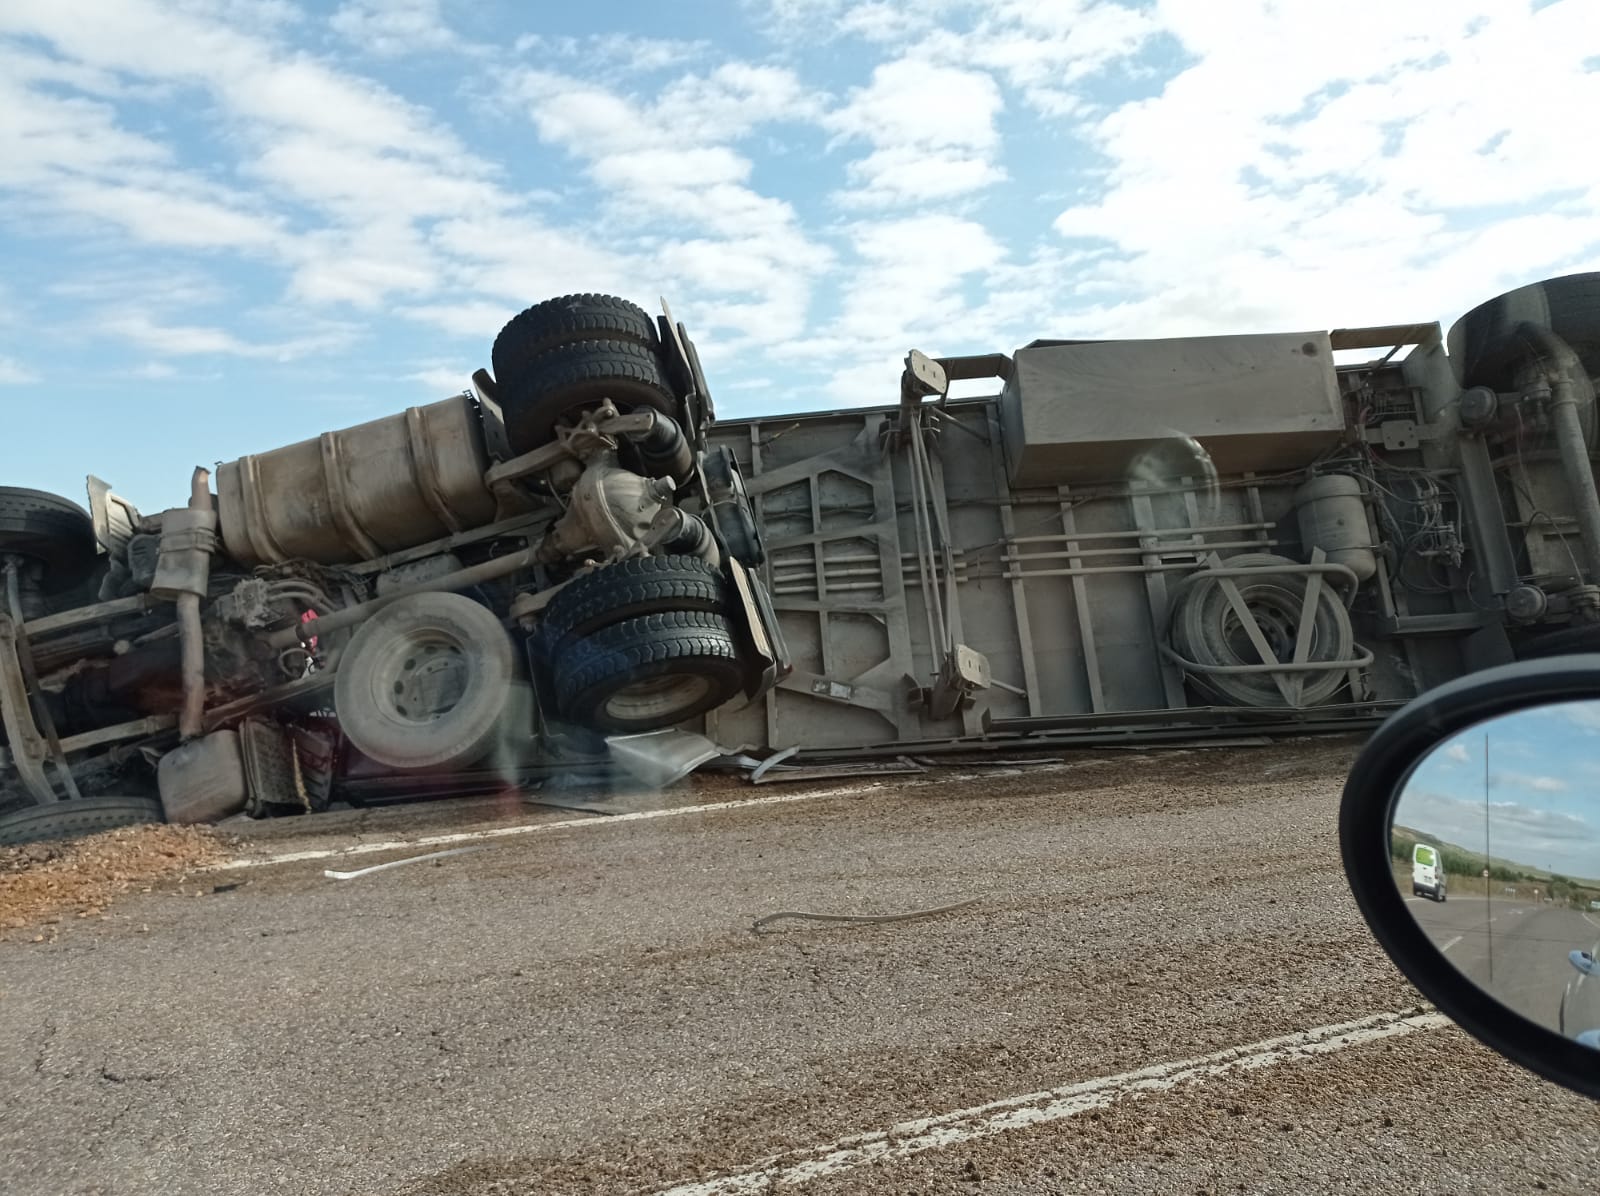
(368,170)
(1457,753)
(932,131)
(1304,173)
(390,28)
(905,285)
(193,340)
(623,53)
(440,379)
(14,373)
(1529,835)
(1534,783)
(739,257)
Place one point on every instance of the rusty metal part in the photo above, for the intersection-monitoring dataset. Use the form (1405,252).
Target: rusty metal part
(28,750)
(1579,472)
(137,729)
(964,674)
(495,567)
(355,494)
(266,699)
(30,680)
(1384,336)
(611,509)
(49,624)
(190,633)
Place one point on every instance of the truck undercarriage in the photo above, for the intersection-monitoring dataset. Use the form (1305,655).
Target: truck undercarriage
(1127,540)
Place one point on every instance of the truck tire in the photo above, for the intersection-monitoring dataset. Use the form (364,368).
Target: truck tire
(648,673)
(55,531)
(1486,345)
(427,684)
(1206,630)
(564,381)
(1567,641)
(557,322)
(74,819)
(629,590)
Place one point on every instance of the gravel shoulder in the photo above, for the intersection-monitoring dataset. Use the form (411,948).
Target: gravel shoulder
(588,1010)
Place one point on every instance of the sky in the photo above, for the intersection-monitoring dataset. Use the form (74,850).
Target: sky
(1543,777)
(231,225)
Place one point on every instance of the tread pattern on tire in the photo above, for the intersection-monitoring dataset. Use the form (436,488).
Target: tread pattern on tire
(70,819)
(581,375)
(639,647)
(55,529)
(630,589)
(1568,640)
(560,321)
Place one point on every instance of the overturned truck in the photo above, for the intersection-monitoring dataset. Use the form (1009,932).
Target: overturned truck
(1128,540)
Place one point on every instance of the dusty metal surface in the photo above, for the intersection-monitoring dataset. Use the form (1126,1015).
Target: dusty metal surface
(1130,541)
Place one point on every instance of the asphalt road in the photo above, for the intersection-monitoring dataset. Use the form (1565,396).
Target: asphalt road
(1153,944)
(1514,950)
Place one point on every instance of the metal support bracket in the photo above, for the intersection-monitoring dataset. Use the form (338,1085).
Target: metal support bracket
(28,748)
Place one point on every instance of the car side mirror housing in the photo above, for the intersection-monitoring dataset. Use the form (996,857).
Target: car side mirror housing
(1470,833)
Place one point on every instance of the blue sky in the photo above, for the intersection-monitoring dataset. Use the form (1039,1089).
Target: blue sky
(1542,778)
(227,226)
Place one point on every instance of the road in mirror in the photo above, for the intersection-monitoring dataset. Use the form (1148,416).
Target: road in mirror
(1495,843)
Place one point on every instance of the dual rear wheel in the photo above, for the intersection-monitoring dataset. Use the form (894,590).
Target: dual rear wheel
(432,682)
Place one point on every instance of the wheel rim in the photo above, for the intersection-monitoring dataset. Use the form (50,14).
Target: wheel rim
(654,698)
(421,679)
(1277,614)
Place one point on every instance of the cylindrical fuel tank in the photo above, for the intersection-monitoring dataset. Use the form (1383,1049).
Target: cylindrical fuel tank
(1333,517)
(353,495)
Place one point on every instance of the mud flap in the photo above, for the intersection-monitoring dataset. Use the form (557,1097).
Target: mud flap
(760,638)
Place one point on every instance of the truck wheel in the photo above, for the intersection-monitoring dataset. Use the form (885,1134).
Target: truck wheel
(427,683)
(54,531)
(557,322)
(74,819)
(1583,638)
(1486,345)
(561,383)
(1206,630)
(630,589)
(647,673)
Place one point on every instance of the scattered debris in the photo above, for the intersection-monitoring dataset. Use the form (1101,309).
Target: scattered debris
(662,758)
(44,882)
(831,772)
(772,761)
(415,859)
(807,916)
(991,762)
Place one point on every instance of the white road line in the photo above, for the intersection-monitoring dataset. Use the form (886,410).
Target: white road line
(1588,919)
(1038,1108)
(1450,944)
(537,828)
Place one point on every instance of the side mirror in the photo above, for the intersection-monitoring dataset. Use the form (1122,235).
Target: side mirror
(1470,831)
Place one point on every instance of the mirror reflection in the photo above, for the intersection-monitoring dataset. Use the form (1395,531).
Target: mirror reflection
(1495,844)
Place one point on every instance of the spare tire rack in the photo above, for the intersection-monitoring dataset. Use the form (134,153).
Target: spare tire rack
(1229,679)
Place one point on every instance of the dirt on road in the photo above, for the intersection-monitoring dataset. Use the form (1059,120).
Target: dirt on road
(42,884)
(582,1006)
